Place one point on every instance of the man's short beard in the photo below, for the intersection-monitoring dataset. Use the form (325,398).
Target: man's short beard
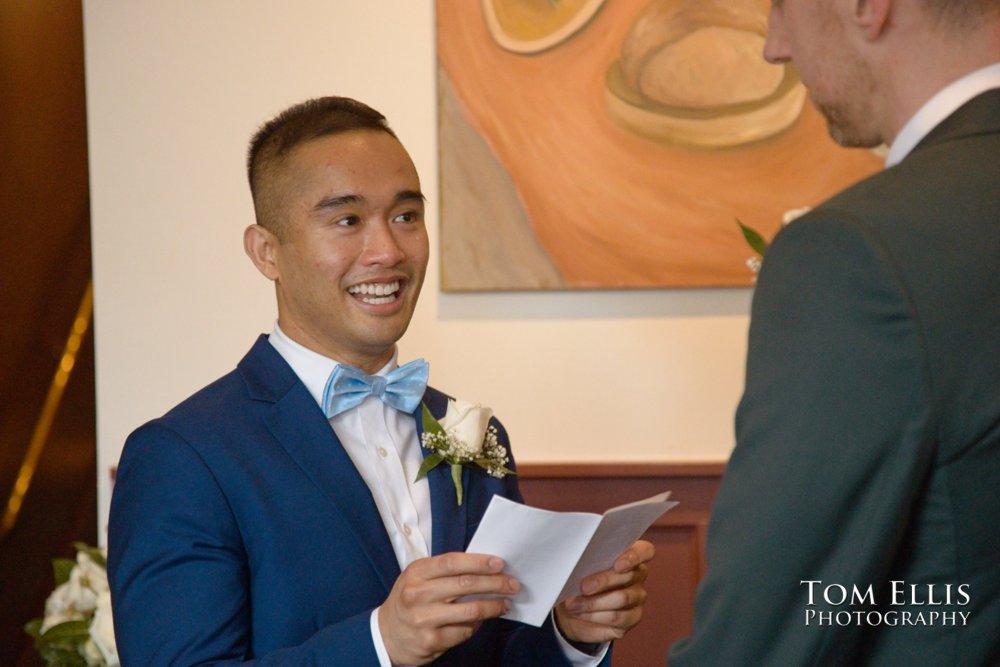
(851,113)
(845,132)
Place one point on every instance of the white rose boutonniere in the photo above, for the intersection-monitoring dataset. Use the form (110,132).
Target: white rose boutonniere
(464,436)
(757,242)
(77,628)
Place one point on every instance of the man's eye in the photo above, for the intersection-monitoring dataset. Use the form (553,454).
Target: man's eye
(349,221)
(409,216)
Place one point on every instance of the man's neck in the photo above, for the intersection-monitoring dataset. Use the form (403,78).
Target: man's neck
(927,59)
(369,362)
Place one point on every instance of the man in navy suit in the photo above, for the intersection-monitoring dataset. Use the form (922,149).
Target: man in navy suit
(270,517)
(857,520)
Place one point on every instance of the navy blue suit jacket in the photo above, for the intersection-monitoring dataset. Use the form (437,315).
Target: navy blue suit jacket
(240,531)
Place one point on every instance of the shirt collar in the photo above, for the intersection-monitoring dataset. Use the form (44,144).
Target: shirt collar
(312,367)
(939,107)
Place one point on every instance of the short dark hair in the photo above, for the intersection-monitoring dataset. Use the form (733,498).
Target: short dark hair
(962,14)
(303,122)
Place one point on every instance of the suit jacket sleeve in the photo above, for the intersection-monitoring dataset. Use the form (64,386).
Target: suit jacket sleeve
(833,441)
(180,589)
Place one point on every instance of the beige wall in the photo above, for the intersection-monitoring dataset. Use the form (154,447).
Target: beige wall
(175,88)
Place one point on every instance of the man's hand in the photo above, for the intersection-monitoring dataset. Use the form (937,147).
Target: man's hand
(421,619)
(612,600)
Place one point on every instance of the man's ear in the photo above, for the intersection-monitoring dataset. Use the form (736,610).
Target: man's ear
(260,245)
(872,17)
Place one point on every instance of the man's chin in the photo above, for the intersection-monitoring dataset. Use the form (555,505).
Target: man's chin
(846,139)
(847,134)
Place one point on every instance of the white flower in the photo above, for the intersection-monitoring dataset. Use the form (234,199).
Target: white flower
(793,213)
(468,423)
(102,631)
(54,618)
(83,597)
(463,437)
(91,654)
(78,596)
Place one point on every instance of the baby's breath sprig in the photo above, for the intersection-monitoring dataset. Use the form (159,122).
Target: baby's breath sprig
(446,447)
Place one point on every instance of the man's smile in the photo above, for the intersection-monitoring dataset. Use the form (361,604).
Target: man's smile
(376,293)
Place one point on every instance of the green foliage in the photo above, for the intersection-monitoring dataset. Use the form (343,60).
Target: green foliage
(94,552)
(753,238)
(61,568)
(59,646)
(430,424)
(431,461)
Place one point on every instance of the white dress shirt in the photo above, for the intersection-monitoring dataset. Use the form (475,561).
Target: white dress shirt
(943,104)
(382,442)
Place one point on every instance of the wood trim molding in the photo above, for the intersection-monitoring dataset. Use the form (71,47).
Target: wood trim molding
(679,535)
(694,469)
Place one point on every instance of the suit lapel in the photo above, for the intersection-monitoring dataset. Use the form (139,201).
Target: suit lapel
(300,427)
(449,524)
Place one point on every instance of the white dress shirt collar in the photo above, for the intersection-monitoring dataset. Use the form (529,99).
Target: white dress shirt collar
(939,107)
(312,367)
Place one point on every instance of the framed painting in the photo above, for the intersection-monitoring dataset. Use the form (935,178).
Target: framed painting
(614,143)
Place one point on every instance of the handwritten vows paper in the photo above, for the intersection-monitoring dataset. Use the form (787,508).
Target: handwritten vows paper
(550,553)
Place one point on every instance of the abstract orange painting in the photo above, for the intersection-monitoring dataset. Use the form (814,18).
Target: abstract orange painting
(614,143)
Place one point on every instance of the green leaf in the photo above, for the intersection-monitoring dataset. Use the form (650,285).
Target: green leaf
(94,552)
(60,645)
(61,568)
(431,461)
(753,238)
(62,655)
(34,628)
(71,630)
(431,425)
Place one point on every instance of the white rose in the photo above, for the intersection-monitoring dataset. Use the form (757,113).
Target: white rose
(90,574)
(62,600)
(55,618)
(91,654)
(68,602)
(102,630)
(793,213)
(467,422)
(77,597)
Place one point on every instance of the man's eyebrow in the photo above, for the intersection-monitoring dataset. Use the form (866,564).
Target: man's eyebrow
(406,195)
(336,201)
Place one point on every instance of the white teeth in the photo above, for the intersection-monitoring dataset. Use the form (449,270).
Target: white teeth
(376,292)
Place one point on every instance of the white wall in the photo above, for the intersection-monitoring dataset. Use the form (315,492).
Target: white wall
(175,88)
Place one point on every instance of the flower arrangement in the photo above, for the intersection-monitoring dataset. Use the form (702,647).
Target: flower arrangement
(77,630)
(757,242)
(464,436)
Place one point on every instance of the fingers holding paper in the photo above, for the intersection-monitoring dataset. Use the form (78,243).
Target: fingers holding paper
(422,616)
(611,602)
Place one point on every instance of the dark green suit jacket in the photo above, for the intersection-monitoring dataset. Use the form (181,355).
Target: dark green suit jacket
(863,494)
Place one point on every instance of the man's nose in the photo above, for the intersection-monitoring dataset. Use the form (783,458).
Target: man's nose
(774,53)
(381,245)
(775,46)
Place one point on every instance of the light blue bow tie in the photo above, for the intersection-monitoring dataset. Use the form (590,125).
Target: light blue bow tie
(348,386)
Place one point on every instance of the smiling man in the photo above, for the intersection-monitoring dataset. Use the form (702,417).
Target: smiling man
(276,517)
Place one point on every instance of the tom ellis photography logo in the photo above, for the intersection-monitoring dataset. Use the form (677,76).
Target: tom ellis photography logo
(899,604)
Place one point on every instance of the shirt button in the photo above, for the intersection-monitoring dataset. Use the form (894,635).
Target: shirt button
(382,452)
(407,530)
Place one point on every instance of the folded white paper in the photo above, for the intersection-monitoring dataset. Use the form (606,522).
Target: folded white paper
(550,553)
